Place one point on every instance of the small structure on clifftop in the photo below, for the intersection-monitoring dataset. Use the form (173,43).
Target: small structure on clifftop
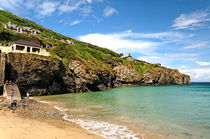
(128,57)
(70,42)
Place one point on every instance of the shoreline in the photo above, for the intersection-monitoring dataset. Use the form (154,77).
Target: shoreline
(42,118)
(145,134)
(39,121)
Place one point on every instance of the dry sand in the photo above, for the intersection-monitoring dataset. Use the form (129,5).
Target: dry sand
(14,127)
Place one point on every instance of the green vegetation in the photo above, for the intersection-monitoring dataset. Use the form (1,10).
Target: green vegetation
(143,68)
(5,17)
(92,57)
(7,36)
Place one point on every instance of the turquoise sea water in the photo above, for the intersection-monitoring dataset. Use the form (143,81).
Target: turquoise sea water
(171,110)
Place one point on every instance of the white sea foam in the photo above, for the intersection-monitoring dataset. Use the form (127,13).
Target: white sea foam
(45,102)
(104,129)
(60,109)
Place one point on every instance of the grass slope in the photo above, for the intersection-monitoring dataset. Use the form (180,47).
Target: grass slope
(93,57)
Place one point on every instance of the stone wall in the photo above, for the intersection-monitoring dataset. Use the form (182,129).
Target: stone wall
(2,68)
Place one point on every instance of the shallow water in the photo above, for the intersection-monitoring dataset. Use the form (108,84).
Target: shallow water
(176,110)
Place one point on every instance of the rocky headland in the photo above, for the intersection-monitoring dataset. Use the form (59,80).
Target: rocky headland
(40,75)
(69,65)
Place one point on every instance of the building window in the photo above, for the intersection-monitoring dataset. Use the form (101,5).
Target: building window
(48,45)
(19,30)
(28,49)
(35,50)
(20,48)
(33,32)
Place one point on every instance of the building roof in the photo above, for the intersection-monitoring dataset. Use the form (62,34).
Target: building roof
(125,56)
(26,28)
(12,26)
(34,42)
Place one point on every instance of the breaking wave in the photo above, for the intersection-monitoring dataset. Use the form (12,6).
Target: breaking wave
(104,129)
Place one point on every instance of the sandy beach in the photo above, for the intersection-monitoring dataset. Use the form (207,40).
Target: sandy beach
(43,121)
(21,124)
(13,126)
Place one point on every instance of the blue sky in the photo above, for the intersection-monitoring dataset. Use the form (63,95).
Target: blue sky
(174,33)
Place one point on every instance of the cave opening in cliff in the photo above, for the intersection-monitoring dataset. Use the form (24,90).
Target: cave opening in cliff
(10,73)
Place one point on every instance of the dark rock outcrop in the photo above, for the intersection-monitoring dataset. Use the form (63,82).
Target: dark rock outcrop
(2,68)
(41,75)
(37,74)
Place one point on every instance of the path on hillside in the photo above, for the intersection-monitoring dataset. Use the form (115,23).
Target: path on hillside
(7,92)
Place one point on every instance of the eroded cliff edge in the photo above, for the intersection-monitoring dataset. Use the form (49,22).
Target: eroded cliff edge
(46,75)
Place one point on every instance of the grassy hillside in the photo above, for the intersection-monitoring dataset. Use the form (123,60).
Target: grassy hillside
(93,57)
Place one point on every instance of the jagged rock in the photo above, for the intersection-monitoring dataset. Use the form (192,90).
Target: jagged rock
(38,75)
(126,75)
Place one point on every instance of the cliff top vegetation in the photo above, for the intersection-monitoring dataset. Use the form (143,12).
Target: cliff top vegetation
(93,57)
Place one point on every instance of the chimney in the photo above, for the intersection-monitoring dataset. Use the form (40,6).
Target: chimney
(9,23)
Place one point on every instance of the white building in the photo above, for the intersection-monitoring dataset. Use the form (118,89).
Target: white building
(22,46)
(22,29)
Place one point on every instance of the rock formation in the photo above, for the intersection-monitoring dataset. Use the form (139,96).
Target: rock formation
(45,75)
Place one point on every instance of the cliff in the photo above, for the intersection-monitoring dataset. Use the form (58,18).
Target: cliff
(44,75)
(75,67)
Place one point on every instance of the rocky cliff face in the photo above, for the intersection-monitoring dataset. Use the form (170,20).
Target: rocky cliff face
(2,69)
(39,75)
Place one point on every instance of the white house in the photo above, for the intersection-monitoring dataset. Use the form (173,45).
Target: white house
(22,29)
(22,46)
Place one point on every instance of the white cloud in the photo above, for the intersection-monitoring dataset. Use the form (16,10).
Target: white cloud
(169,36)
(116,43)
(70,7)
(152,59)
(108,11)
(191,21)
(129,41)
(196,45)
(1,8)
(47,8)
(82,5)
(183,67)
(167,58)
(90,1)
(86,10)
(201,63)
(75,22)
(198,74)
(99,0)
(10,4)
(18,6)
